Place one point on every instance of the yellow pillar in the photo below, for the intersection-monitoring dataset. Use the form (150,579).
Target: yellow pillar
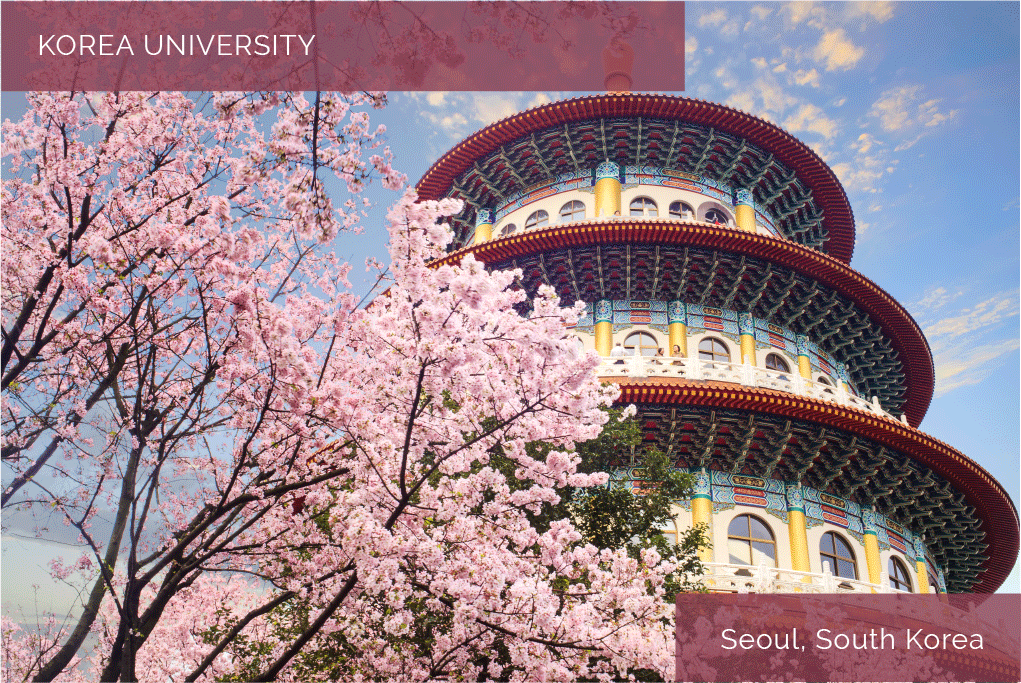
(701,513)
(748,348)
(677,320)
(804,364)
(604,339)
(679,337)
(483,226)
(746,328)
(872,558)
(607,189)
(702,510)
(797,530)
(744,211)
(920,569)
(603,314)
(923,576)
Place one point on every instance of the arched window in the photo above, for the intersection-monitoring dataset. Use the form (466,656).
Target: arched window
(643,206)
(750,541)
(681,210)
(640,344)
(838,553)
(900,579)
(507,229)
(827,384)
(578,343)
(572,211)
(775,362)
(716,216)
(537,220)
(713,349)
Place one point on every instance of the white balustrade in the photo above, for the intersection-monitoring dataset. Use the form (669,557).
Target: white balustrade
(745,374)
(744,578)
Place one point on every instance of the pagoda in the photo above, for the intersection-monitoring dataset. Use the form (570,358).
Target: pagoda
(711,250)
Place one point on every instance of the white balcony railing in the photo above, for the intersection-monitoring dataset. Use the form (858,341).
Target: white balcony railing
(742,578)
(738,578)
(641,367)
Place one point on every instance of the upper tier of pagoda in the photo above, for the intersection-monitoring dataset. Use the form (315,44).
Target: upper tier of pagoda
(709,145)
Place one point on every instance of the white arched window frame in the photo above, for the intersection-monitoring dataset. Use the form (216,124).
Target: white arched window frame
(572,211)
(643,207)
(537,219)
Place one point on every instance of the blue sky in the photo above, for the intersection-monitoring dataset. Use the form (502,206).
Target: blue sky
(914,105)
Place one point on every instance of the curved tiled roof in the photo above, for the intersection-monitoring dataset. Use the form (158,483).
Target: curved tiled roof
(819,179)
(992,504)
(898,326)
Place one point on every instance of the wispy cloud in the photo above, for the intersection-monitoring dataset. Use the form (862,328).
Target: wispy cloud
(967,364)
(810,77)
(454,115)
(968,344)
(904,110)
(724,24)
(871,163)
(691,57)
(828,16)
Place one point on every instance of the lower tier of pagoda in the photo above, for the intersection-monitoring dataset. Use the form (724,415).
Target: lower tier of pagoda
(728,425)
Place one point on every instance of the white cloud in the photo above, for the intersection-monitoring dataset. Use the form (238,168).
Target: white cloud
(810,77)
(718,18)
(935,299)
(454,115)
(837,51)
(692,58)
(539,100)
(892,107)
(810,118)
(899,109)
(967,343)
(761,11)
(715,18)
(987,313)
(829,16)
(690,46)
(967,364)
(870,163)
(880,11)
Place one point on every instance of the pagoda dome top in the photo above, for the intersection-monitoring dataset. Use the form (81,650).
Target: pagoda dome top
(691,135)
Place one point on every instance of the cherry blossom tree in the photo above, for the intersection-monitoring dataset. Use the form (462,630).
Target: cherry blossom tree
(164,271)
(188,381)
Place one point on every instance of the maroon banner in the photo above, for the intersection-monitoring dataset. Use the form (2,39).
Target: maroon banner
(848,637)
(368,45)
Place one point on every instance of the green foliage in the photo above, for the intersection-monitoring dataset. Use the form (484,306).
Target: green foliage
(616,517)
